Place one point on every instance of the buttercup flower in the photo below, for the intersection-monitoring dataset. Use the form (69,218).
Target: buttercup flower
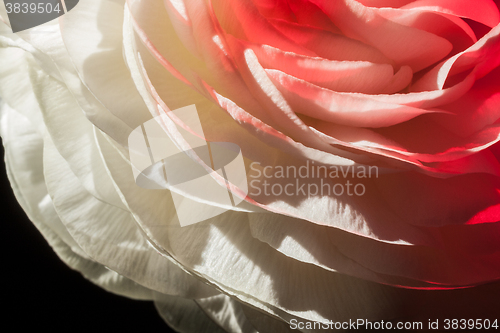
(368,130)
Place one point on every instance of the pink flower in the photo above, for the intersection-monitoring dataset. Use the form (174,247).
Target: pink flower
(369,130)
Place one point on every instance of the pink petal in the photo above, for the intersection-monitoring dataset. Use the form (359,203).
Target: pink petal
(449,161)
(476,110)
(385,3)
(483,11)
(340,108)
(330,45)
(270,97)
(307,13)
(242,20)
(431,98)
(483,55)
(435,202)
(278,9)
(449,27)
(250,133)
(407,46)
(347,76)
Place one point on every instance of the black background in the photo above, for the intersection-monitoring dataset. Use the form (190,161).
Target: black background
(40,291)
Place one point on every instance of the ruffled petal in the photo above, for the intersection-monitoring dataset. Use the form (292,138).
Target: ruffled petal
(449,27)
(99,200)
(94,46)
(23,149)
(482,57)
(345,109)
(119,251)
(227,312)
(184,315)
(405,45)
(422,267)
(339,76)
(483,11)
(330,45)
(242,20)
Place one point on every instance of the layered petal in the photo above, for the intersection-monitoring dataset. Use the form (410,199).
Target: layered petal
(405,45)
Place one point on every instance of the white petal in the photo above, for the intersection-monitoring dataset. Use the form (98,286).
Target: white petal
(227,312)
(110,235)
(184,315)
(92,34)
(23,151)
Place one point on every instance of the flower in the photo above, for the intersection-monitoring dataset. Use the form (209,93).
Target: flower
(369,131)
